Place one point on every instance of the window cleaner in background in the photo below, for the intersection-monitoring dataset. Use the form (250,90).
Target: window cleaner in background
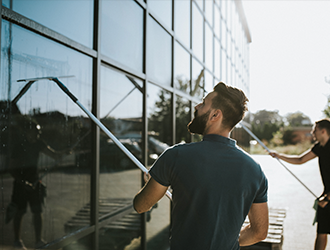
(215,184)
(27,186)
(321,133)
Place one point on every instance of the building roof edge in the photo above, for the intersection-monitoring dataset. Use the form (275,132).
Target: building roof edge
(241,12)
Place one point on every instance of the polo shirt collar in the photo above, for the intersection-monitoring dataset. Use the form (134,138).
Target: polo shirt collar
(219,138)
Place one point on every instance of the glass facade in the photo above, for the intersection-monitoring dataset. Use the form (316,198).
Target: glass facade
(140,67)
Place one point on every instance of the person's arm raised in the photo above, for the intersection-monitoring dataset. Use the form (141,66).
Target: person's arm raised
(295,159)
(148,196)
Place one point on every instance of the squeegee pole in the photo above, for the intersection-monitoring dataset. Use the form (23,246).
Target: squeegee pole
(105,130)
(265,147)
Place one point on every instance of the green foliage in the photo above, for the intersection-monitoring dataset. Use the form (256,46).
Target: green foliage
(287,136)
(326,111)
(298,119)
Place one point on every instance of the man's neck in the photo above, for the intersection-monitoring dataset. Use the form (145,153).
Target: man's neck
(222,132)
(324,141)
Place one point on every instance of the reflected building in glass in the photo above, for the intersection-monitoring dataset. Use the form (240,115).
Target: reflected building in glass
(140,67)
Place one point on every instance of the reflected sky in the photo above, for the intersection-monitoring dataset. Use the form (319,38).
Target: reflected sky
(119,98)
(73,19)
(159,53)
(34,56)
(182,21)
(122,32)
(163,10)
(197,33)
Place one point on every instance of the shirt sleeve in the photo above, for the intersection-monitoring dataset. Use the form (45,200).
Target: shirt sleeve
(162,169)
(262,196)
(316,149)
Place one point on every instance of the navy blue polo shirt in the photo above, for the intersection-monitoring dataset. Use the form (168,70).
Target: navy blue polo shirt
(214,185)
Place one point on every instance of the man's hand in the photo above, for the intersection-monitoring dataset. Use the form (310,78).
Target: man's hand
(323,201)
(273,154)
(146,177)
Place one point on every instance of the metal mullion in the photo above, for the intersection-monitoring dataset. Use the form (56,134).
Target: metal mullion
(191,56)
(172,79)
(143,242)
(121,67)
(95,175)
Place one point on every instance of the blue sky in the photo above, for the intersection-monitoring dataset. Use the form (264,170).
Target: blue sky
(289,55)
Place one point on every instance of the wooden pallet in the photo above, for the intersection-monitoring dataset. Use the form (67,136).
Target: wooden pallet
(274,238)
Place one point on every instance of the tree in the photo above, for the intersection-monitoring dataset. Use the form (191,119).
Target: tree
(298,119)
(326,111)
(265,123)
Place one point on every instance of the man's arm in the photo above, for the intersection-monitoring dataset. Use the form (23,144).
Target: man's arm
(295,159)
(148,196)
(258,228)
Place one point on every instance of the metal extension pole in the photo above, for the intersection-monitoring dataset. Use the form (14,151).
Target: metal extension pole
(105,130)
(265,147)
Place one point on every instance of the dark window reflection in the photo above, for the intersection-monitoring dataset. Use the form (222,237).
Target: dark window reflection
(73,19)
(159,139)
(159,53)
(121,113)
(181,69)
(183,117)
(120,178)
(122,32)
(45,138)
(197,88)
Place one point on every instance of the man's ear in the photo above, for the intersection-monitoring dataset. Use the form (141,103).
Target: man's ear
(216,115)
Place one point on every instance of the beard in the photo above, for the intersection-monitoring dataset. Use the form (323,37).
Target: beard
(198,124)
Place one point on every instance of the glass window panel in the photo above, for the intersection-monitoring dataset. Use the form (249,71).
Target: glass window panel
(159,53)
(181,68)
(223,66)
(73,19)
(159,138)
(208,47)
(200,4)
(224,9)
(182,21)
(217,22)
(229,44)
(183,117)
(163,10)
(6,3)
(209,11)
(217,49)
(229,79)
(197,33)
(122,32)
(223,34)
(208,82)
(42,118)
(198,79)
(120,179)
